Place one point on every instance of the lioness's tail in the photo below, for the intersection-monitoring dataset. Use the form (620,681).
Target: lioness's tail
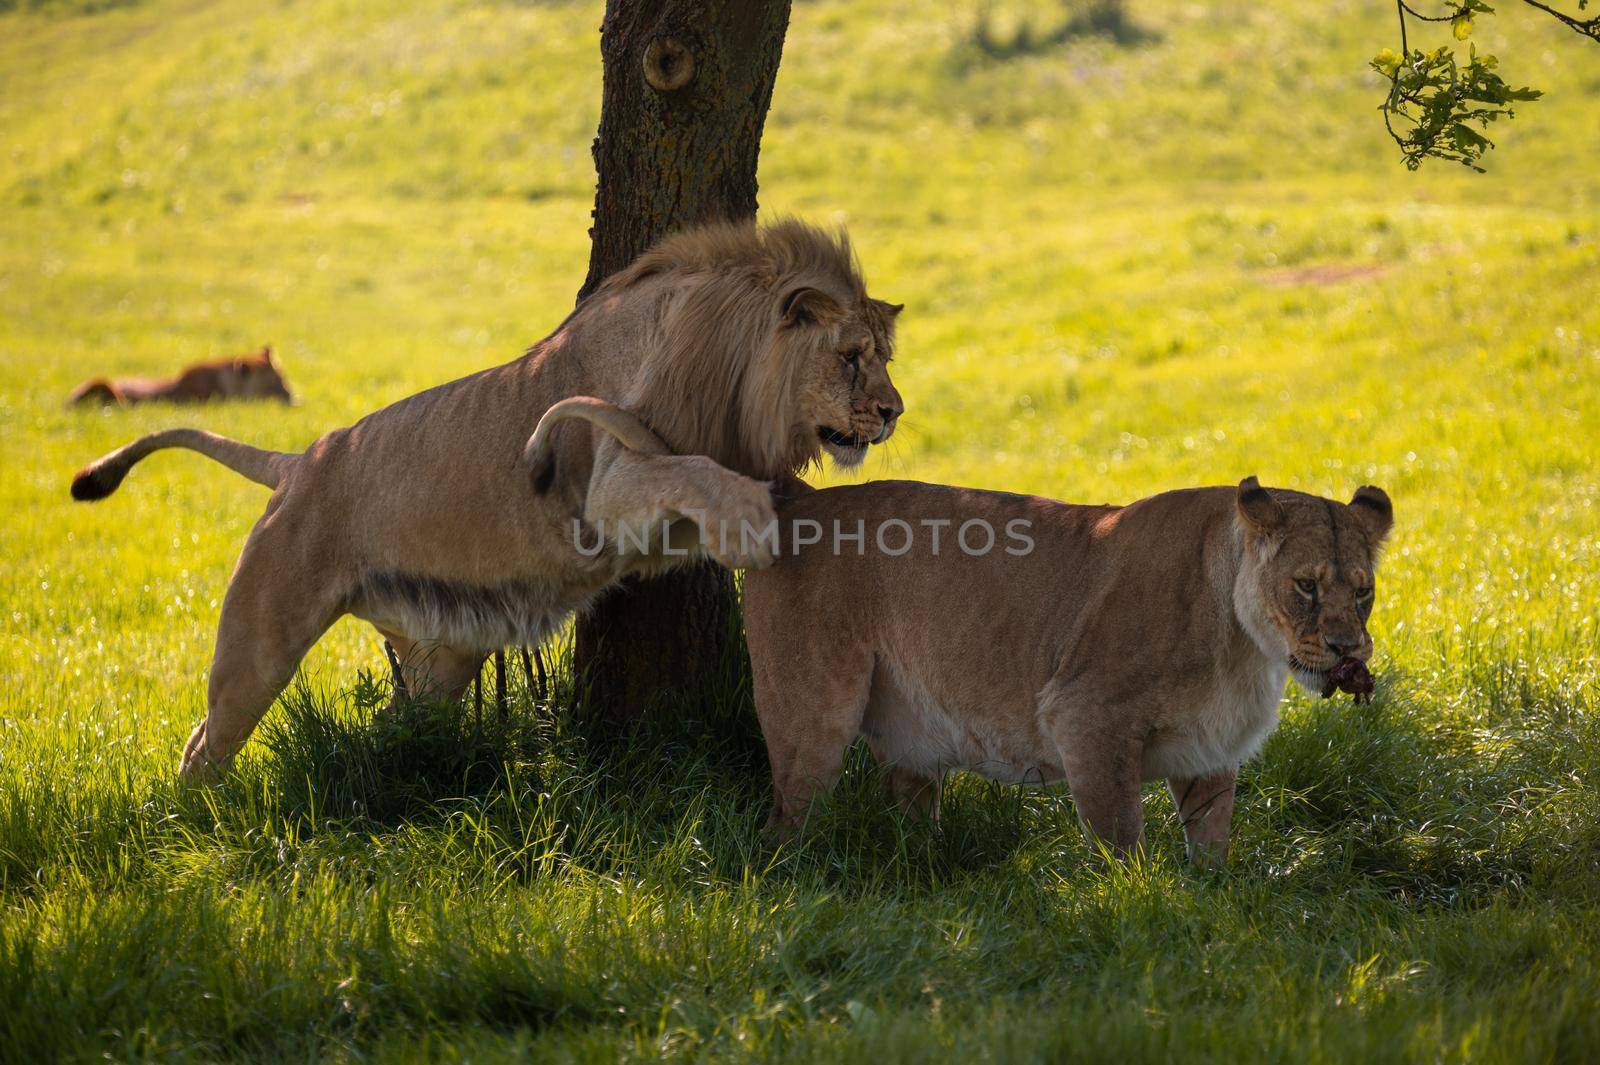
(622,424)
(99,390)
(101,477)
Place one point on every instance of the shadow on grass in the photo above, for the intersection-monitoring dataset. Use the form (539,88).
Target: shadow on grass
(542,873)
(998,40)
(1395,798)
(680,792)
(64,8)
(347,759)
(1424,805)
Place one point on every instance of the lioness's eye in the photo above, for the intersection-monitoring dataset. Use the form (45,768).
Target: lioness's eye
(1364,595)
(1307,588)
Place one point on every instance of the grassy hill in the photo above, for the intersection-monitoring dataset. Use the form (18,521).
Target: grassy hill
(1127,267)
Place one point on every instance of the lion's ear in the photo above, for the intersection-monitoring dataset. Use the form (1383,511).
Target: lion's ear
(1372,510)
(1257,507)
(809,306)
(889,310)
(267,356)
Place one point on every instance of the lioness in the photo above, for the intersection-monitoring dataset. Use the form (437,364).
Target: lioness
(1103,645)
(245,377)
(747,352)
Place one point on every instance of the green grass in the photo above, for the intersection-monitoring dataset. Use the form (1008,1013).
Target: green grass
(1126,269)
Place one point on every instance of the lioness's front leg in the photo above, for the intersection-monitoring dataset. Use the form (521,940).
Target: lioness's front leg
(1205,807)
(1101,757)
(636,495)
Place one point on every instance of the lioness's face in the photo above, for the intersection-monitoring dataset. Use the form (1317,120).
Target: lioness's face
(260,378)
(1312,564)
(847,400)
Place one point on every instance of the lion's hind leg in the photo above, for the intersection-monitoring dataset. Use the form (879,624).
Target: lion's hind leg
(276,607)
(432,670)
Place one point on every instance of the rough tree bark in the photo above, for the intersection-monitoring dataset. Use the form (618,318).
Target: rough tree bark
(687,85)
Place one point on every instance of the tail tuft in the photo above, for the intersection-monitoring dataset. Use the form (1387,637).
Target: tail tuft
(97,481)
(101,477)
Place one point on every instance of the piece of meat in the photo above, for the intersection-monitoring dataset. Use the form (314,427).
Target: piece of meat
(1349,675)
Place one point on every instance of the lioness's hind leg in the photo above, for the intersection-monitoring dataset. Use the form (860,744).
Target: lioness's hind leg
(916,793)
(275,609)
(899,745)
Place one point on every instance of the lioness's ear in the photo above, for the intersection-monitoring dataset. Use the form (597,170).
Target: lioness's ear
(889,310)
(267,356)
(1372,510)
(809,306)
(1257,507)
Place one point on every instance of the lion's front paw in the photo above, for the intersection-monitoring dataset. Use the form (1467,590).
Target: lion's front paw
(745,532)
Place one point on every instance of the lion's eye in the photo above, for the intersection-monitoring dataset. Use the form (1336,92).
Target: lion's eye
(1305,587)
(851,358)
(1364,595)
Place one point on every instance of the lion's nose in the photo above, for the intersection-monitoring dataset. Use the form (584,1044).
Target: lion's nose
(889,414)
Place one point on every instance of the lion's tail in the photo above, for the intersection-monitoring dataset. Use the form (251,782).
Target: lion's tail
(101,477)
(622,424)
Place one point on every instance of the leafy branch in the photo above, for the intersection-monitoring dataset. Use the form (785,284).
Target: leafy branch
(1435,99)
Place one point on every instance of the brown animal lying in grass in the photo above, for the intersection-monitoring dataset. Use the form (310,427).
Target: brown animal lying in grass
(245,377)
(1100,645)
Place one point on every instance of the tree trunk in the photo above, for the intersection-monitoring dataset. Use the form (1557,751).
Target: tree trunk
(687,84)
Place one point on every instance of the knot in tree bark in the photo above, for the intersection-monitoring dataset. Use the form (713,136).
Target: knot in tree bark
(668,65)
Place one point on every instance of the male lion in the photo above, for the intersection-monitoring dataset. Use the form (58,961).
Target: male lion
(244,377)
(1103,645)
(746,351)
